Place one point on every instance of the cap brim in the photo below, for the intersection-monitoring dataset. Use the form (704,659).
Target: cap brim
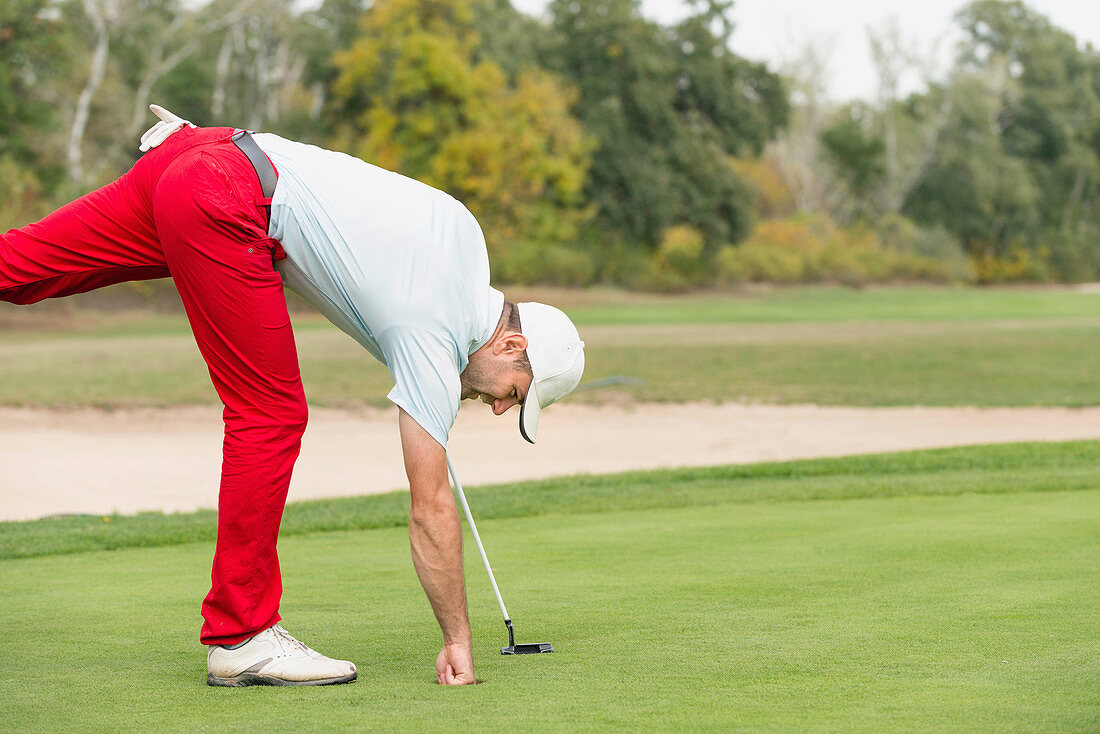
(529,415)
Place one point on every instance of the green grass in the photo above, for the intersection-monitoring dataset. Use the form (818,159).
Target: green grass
(597,307)
(902,346)
(995,469)
(969,365)
(936,591)
(826,303)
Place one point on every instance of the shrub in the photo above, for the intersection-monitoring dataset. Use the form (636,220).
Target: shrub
(660,279)
(906,266)
(925,252)
(1075,256)
(804,234)
(813,250)
(839,264)
(759,263)
(616,261)
(567,267)
(526,263)
(678,264)
(681,250)
(772,194)
(1019,266)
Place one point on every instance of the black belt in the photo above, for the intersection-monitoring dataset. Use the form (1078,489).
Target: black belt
(264,170)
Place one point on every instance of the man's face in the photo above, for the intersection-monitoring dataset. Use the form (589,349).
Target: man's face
(494,374)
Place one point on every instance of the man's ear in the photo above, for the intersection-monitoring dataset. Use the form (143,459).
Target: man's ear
(512,343)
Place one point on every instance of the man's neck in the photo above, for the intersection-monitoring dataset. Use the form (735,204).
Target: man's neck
(501,326)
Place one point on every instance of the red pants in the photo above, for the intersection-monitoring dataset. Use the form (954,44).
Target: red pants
(192,209)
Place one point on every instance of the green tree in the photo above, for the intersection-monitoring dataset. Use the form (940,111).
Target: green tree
(32,56)
(984,196)
(512,40)
(416,101)
(669,107)
(35,42)
(1019,161)
(856,150)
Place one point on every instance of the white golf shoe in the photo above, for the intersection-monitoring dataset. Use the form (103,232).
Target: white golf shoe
(274,658)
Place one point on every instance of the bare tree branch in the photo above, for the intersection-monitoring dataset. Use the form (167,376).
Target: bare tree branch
(159,64)
(894,57)
(230,43)
(101,13)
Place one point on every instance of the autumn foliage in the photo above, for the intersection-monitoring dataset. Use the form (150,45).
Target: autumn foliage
(594,144)
(415,100)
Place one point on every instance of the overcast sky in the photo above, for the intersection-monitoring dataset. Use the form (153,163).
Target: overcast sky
(773,30)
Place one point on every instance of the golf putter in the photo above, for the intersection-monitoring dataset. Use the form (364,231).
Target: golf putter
(513,648)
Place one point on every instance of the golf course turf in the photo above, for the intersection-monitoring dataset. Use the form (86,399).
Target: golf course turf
(950,590)
(830,346)
(931,591)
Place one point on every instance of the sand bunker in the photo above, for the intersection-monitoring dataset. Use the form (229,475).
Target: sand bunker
(90,461)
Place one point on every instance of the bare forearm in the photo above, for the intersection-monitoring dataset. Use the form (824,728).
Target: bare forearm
(436,540)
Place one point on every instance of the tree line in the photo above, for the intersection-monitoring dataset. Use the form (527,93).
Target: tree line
(594,144)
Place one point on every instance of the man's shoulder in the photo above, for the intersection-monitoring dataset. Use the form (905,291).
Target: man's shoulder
(430,339)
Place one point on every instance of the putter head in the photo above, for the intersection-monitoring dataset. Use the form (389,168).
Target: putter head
(528,649)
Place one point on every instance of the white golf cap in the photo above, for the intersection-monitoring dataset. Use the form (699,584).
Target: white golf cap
(556,353)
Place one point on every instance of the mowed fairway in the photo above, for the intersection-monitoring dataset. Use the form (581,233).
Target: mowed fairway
(948,590)
(935,591)
(905,346)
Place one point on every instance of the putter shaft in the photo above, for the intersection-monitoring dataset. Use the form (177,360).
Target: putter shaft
(477,540)
(513,648)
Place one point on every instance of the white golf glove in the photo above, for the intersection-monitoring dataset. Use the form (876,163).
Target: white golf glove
(157,134)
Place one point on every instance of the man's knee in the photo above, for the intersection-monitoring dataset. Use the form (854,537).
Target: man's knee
(297,416)
(291,419)
(260,424)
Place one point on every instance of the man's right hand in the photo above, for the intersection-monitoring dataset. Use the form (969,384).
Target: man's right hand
(436,539)
(455,665)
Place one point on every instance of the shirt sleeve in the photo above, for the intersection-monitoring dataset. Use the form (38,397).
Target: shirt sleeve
(424,367)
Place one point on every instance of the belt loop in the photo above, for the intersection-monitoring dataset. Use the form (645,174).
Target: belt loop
(265,171)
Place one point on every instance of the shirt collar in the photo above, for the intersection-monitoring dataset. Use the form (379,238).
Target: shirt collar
(493,310)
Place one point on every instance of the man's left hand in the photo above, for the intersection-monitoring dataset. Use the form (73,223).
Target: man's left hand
(157,134)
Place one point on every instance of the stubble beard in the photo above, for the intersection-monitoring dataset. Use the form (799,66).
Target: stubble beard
(472,379)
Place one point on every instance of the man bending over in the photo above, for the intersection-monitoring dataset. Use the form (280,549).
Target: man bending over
(399,266)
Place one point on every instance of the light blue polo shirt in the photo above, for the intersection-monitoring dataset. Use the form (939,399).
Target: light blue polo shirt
(398,265)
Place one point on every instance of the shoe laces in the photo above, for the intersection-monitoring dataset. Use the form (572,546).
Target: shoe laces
(289,639)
